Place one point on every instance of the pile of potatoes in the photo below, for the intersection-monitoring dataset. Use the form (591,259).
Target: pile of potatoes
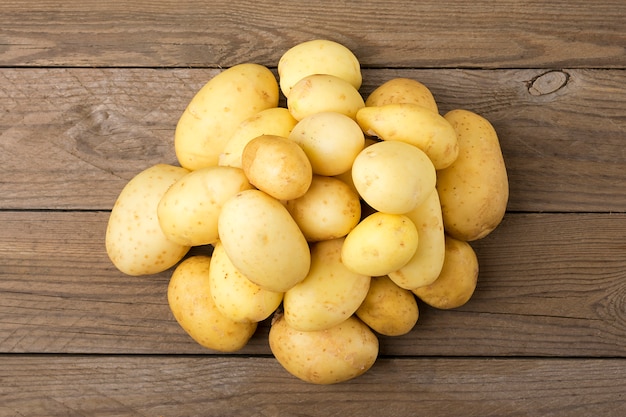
(331,215)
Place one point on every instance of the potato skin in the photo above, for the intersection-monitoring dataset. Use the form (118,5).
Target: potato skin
(474,190)
(402,90)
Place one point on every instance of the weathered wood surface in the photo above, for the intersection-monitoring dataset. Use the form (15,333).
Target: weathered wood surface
(90,93)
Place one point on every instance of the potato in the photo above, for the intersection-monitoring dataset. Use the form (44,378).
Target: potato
(474,190)
(456,282)
(134,240)
(318,56)
(273,121)
(191,303)
(379,244)
(425,266)
(329,294)
(218,108)
(189,209)
(328,210)
(330,140)
(330,356)
(388,309)
(235,296)
(323,93)
(263,241)
(413,124)
(402,90)
(277,166)
(393,177)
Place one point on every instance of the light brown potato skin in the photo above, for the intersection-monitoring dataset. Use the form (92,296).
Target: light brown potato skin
(474,190)
(402,90)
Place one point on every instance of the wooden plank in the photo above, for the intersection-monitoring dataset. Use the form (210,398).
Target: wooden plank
(72,138)
(448,33)
(189,386)
(550,285)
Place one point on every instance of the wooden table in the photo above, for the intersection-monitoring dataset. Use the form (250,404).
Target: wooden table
(90,93)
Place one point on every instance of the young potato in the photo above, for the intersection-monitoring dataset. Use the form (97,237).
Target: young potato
(330,140)
(235,296)
(328,210)
(318,56)
(189,209)
(413,124)
(474,190)
(388,309)
(275,121)
(393,177)
(456,282)
(425,266)
(263,241)
(329,294)
(319,93)
(134,240)
(379,244)
(402,90)
(191,303)
(277,166)
(217,109)
(330,356)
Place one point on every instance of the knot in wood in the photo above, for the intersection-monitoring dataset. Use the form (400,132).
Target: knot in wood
(548,83)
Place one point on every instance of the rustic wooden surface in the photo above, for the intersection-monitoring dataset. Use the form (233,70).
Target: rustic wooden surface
(90,93)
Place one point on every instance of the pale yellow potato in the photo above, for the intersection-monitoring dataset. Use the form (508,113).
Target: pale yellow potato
(218,108)
(263,241)
(323,93)
(458,278)
(329,294)
(277,166)
(189,209)
(393,177)
(425,266)
(474,190)
(413,124)
(402,90)
(276,121)
(134,240)
(318,56)
(235,296)
(328,210)
(330,356)
(388,309)
(330,140)
(379,244)
(189,298)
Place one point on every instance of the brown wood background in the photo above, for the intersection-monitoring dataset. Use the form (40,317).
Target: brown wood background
(90,93)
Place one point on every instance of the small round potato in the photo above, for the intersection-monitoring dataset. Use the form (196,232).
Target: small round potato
(402,90)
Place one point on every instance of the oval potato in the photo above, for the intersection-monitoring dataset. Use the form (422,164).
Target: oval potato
(402,90)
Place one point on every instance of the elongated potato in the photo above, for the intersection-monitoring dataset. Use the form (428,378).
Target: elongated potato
(402,90)
(474,190)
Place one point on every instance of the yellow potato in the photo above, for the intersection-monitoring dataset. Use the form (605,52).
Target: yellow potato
(134,240)
(263,241)
(328,210)
(191,303)
(329,294)
(330,356)
(425,266)
(388,309)
(402,90)
(474,190)
(330,140)
(393,177)
(273,121)
(323,93)
(218,108)
(318,56)
(277,166)
(235,296)
(457,281)
(414,124)
(379,244)
(189,209)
